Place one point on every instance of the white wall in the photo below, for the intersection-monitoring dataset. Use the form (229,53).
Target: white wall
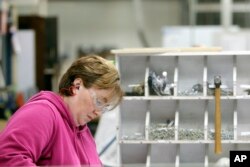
(111,23)
(26,58)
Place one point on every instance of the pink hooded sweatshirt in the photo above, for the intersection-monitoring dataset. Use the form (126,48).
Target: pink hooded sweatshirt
(43,133)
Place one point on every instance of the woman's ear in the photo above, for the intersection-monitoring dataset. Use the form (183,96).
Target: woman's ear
(77,82)
(71,90)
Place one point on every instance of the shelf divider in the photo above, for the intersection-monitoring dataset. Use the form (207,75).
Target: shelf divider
(147,121)
(206,156)
(177,159)
(148,160)
(146,88)
(176,76)
(235,120)
(234,75)
(176,122)
(206,121)
(205,76)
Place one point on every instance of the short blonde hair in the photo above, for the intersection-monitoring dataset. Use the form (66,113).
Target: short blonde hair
(96,72)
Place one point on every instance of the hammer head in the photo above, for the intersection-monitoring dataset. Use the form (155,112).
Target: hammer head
(217,81)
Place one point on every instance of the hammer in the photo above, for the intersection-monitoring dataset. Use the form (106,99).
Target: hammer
(217,118)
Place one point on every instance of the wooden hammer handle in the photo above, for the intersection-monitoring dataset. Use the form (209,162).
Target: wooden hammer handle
(217,124)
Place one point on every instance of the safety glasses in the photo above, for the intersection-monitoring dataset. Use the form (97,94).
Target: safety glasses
(99,104)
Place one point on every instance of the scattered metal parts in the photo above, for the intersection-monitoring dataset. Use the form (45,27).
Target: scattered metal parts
(196,89)
(159,84)
(134,136)
(226,134)
(246,88)
(137,90)
(245,135)
(248,91)
(162,131)
(191,134)
(225,90)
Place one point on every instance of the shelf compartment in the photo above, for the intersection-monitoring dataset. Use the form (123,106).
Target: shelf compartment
(224,69)
(227,119)
(132,120)
(190,89)
(163,153)
(133,154)
(132,72)
(192,153)
(190,73)
(214,158)
(158,65)
(162,120)
(243,75)
(191,111)
(243,125)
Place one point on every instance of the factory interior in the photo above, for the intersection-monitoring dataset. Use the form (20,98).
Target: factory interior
(182,65)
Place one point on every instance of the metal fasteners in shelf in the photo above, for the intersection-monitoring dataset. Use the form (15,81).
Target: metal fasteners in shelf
(160,84)
(133,136)
(197,89)
(162,131)
(191,134)
(226,134)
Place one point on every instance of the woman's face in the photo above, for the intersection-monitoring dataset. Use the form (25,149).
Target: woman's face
(88,104)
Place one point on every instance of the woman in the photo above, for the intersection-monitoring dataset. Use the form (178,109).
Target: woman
(51,128)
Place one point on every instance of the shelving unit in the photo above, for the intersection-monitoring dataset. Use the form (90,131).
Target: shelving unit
(185,68)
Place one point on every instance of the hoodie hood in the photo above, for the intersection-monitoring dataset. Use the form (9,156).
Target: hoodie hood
(57,101)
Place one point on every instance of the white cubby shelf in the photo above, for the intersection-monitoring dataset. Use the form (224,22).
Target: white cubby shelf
(190,138)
